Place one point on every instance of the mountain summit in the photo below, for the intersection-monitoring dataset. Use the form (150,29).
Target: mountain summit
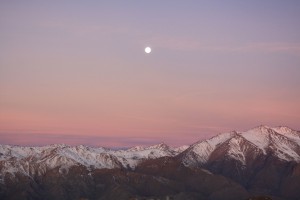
(263,160)
(280,142)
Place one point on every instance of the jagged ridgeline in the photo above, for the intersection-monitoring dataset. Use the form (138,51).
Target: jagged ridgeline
(234,165)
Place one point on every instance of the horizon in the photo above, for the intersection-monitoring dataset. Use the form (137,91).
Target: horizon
(77,72)
(10,141)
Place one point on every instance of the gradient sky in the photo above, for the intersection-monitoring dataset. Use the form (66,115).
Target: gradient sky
(75,72)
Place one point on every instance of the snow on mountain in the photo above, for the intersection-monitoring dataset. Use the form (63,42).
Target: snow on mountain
(181,148)
(136,148)
(290,133)
(200,151)
(280,142)
(134,155)
(259,136)
(31,160)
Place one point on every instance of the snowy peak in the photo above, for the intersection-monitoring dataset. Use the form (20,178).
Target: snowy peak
(181,148)
(262,128)
(136,148)
(288,132)
(280,142)
(203,149)
(283,129)
(245,147)
(160,146)
(263,136)
(17,159)
(258,136)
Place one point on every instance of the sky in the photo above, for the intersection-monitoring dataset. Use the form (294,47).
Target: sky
(75,72)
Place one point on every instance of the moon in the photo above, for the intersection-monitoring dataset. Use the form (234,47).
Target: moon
(148,50)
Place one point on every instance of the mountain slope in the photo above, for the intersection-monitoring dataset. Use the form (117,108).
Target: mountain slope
(262,159)
(280,142)
(37,160)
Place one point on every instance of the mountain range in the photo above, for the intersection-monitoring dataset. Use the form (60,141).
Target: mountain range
(263,161)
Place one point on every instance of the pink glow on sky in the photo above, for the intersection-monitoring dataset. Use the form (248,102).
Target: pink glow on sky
(77,73)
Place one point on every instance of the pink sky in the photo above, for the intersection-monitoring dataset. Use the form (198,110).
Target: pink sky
(78,74)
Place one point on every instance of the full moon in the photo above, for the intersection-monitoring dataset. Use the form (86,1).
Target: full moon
(147,49)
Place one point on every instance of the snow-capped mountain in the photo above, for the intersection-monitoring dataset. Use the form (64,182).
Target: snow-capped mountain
(262,160)
(245,148)
(36,160)
(279,142)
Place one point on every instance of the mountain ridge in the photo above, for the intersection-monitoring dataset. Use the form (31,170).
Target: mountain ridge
(263,160)
(282,142)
